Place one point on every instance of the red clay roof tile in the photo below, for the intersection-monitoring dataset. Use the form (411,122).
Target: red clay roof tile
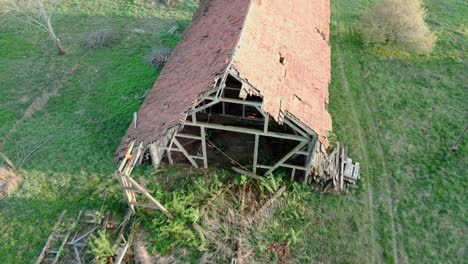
(255,35)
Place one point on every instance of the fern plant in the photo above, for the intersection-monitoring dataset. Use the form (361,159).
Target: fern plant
(102,248)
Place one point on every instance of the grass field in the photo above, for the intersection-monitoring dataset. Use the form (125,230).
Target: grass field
(398,112)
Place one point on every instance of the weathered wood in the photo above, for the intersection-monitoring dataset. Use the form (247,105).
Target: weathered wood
(248,174)
(247,131)
(74,241)
(269,202)
(151,198)
(454,147)
(77,254)
(184,151)
(188,136)
(255,158)
(204,151)
(51,237)
(286,157)
(122,251)
(135,119)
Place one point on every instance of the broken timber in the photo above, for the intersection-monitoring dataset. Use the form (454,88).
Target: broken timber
(318,166)
(131,187)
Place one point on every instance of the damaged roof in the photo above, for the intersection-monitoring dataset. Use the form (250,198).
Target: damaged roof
(280,48)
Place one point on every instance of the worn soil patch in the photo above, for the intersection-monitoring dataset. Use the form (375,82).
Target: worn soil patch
(8,181)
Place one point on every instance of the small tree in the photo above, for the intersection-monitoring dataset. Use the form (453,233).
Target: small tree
(397,22)
(34,13)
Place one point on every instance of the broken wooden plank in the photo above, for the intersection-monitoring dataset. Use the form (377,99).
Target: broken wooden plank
(51,237)
(269,202)
(248,174)
(151,198)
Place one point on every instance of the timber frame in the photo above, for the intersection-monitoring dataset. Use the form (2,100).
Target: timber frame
(314,166)
(305,138)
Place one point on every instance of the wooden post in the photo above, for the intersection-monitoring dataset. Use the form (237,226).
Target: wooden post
(308,163)
(155,157)
(293,173)
(203,142)
(454,147)
(255,159)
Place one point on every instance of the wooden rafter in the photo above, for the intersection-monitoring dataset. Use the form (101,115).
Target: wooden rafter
(286,157)
(131,187)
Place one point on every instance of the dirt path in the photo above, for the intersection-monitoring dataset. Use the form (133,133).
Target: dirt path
(388,197)
(364,147)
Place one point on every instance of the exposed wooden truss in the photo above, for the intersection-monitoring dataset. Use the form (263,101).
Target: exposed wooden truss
(305,138)
(307,144)
(131,187)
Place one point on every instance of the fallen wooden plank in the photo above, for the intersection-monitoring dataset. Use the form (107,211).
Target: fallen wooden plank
(248,174)
(49,240)
(122,251)
(269,202)
(151,198)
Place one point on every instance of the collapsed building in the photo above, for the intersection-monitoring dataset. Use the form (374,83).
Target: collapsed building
(247,84)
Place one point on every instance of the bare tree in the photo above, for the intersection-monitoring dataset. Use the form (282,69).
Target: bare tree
(33,13)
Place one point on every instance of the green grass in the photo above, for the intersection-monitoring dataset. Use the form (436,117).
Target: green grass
(400,115)
(81,127)
(398,112)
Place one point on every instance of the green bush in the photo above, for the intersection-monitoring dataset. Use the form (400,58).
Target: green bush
(397,23)
(102,248)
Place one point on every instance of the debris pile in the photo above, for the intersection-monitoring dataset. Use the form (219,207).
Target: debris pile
(335,170)
(72,239)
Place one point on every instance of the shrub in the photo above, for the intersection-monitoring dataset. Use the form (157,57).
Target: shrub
(158,56)
(99,39)
(398,23)
(102,248)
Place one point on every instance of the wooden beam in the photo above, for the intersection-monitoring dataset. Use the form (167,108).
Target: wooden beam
(269,202)
(263,166)
(184,151)
(203,142)
(51,236)
(248,174)
(188,136)
(155,157)
(198,109)
(248,131)
(286,157)
(151,198)
(235,101)
(293,174)
(295,128)
(257,137)
(295,167)
(308,163)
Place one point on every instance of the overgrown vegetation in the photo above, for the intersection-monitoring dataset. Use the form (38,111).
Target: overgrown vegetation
(398,23)
(215,210)
(158,56)
(99,39)
(101,248)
